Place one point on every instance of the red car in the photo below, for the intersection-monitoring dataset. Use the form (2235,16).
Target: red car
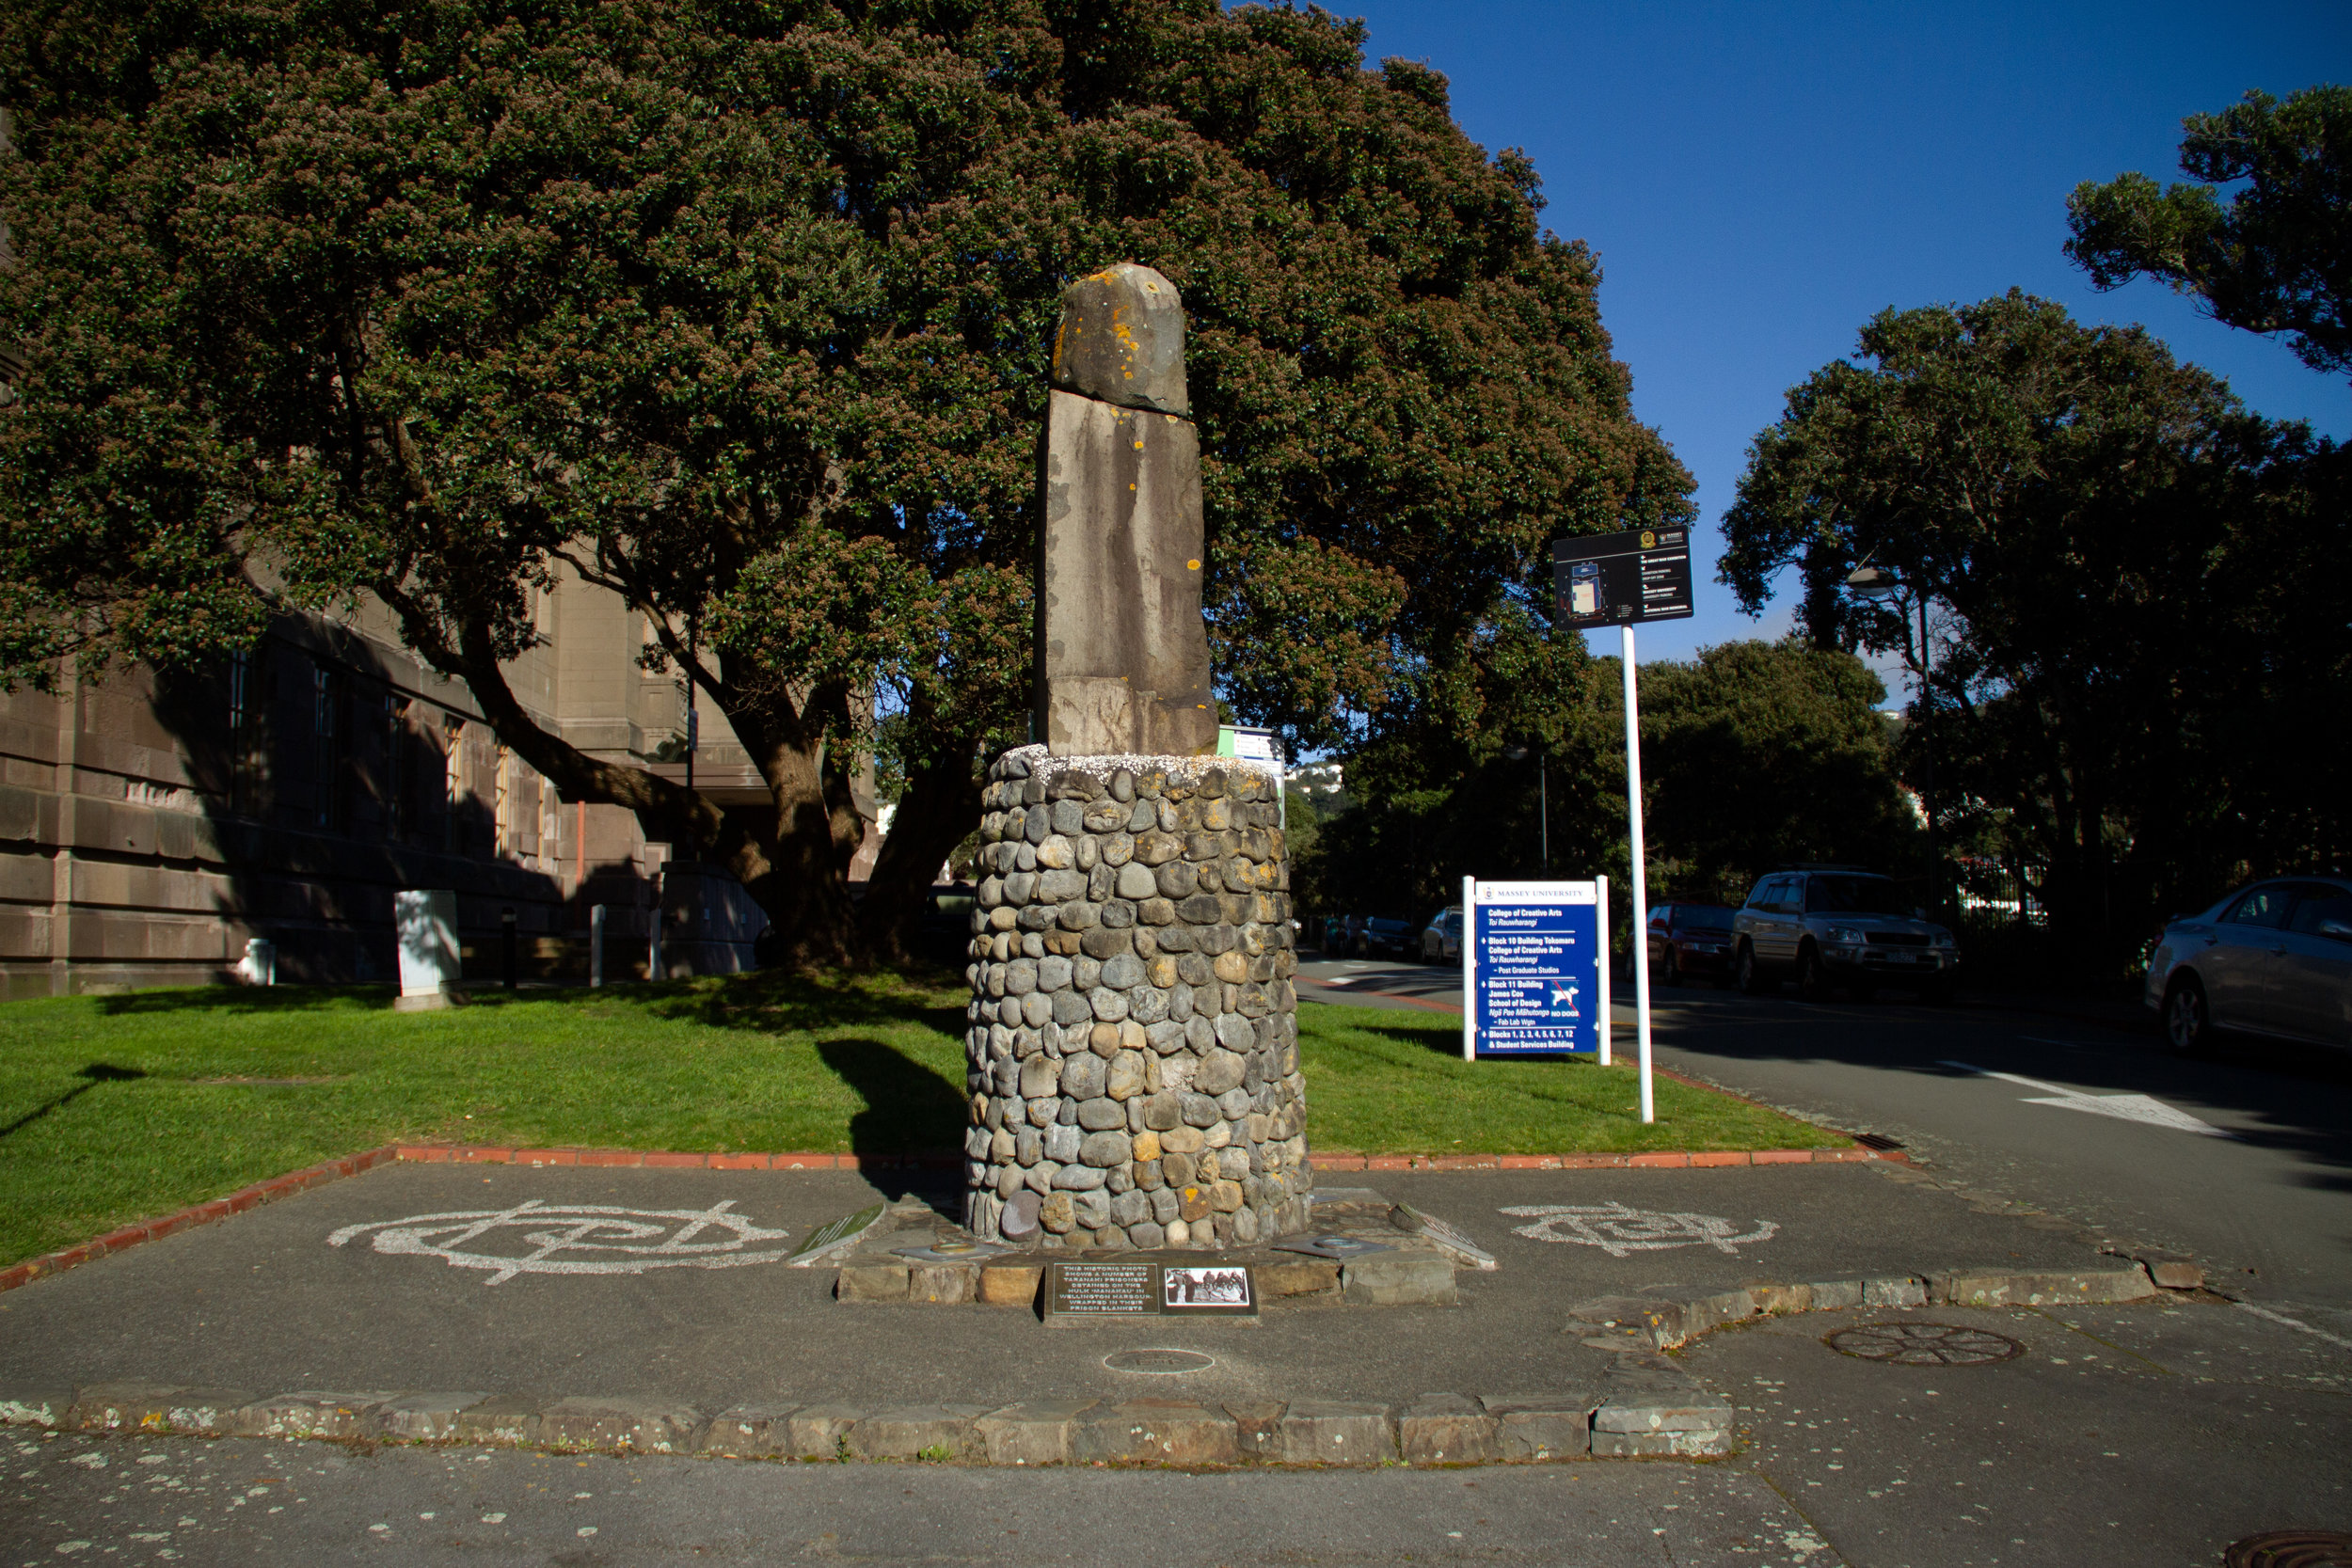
(1689,944)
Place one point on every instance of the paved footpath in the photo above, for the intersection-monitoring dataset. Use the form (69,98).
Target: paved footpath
(2147,1433)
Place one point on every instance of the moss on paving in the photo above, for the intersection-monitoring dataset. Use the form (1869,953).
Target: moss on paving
(117,1108)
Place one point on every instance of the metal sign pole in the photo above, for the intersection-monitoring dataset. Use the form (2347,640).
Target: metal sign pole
(1641,890)
(1470,969)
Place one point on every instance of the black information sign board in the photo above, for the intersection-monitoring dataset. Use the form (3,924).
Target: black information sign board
(1613,579)
(1148,1288)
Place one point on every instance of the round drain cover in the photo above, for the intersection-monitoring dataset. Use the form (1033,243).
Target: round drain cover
(1924,1344)
(2291,1548)
(1162,1361)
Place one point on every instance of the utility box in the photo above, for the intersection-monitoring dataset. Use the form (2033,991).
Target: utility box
(428,949)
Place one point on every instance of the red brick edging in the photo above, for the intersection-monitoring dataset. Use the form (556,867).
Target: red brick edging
(504,1154)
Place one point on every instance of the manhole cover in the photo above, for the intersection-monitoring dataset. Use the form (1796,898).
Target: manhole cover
(1161,1361)
(1924,1344)
(2291,1548)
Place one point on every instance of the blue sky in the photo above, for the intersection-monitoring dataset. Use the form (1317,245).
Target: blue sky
(1758,180)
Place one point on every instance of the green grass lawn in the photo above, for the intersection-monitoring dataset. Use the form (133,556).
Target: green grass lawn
(117,1108)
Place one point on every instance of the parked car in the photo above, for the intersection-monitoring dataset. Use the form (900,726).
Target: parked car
(947,929)
(1388,939)
(1441,939)
(1690,943)
(2273,958)
(1849,929)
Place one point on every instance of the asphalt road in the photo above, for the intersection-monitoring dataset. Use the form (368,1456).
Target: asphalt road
(2262,1197)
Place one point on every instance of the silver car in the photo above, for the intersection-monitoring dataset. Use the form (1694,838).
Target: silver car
(2273,958)
(1839,927)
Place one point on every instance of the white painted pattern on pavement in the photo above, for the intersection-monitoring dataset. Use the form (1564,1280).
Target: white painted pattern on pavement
(1619,1230)
(2122,1107)
(622,1237)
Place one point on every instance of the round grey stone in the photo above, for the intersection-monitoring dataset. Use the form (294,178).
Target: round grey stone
(1082,1076)
(1122,973)
(1218,1071)
(1061,1142)
(1235,1104)
(1053,973)
(1102,1114)
(1145,1235)
(1201,1111)
(1110,1005)
(1146,1005)
(1078,1179)
(1103,1150)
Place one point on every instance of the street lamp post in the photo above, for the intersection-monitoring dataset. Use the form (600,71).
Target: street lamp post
(1876,582)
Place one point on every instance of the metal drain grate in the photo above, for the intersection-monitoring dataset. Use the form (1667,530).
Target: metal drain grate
(1924,1344)
(1879,1141)
(1161,1362)
(2291,1548)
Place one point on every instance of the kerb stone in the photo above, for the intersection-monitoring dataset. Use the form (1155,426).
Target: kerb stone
(620,1426)
(1448,1429)
(1329,1432)
(1034,1431)
(815,1430)
(920,1431)
(2068,1287)
(423,1417)
(1164,1432)
(1542,1426)
(748,1432)
(305,1415)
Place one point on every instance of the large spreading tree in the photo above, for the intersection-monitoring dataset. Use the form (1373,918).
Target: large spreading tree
(741,311)
(2278,257)
(2137,644)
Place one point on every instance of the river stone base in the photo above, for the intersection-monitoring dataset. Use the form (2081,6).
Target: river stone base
(1133,1051)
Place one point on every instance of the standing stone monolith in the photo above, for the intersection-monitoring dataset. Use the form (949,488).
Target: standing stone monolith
(1131,1054)
(1122,656)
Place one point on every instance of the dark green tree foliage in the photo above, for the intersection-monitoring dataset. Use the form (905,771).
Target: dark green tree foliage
(744,309)
(2276,259)
(2137,650)
(1758,754)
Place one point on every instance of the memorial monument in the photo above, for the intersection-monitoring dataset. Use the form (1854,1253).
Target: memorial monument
(1133,1051)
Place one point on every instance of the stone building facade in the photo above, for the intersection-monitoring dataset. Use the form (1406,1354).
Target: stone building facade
(152,822)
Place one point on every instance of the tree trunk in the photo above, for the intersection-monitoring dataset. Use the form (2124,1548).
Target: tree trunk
(941,807)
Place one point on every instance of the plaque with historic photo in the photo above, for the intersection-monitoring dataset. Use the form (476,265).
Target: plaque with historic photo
(1207,1290)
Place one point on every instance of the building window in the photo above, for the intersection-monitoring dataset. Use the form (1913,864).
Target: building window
(454,784)
(503,807)
(399,810)
(327,768)
(248,738)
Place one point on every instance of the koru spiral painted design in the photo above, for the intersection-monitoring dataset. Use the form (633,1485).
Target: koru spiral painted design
(1619,1230)
(574,1238)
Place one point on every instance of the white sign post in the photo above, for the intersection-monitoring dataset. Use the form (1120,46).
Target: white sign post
(1641,890)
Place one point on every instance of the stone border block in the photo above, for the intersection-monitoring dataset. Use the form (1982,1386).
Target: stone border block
(872,1282)
(421,1417)
(153,1407)
(506,1421)
(820,1431)
(1335,1432)
(748,1432)
(2070,1286)
(1542,1426)
(1447,1429)
(620,1426)
(1034,1431)
(1894,1290)
(1399,1279)
(1258,1427)
(306,1414)
(1164,1432)
(35,1408)
(936,1432)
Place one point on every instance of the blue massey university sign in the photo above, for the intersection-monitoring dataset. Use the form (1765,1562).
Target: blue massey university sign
(1534,968)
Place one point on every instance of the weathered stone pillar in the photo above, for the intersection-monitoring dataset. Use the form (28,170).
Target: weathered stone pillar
(1133,1049)
(1133,1055)
(1123,656)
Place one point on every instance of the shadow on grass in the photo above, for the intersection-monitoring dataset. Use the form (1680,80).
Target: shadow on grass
(242,999)
(91,1076)
(909,1108)
(1445,1040)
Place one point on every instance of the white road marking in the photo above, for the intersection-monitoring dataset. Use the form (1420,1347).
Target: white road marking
(2292,1322)
(622,1235)
(1619,1230)
(2142,1108)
